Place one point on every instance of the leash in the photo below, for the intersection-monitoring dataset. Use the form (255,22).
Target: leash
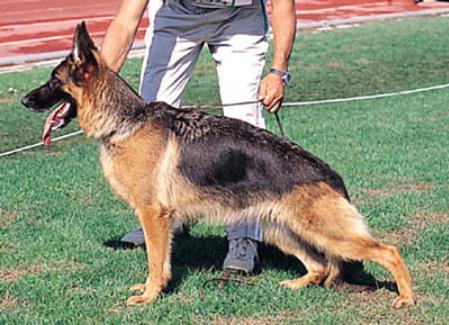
(251,102)
(278,121)
(288,104)
(197,107)
(226,278)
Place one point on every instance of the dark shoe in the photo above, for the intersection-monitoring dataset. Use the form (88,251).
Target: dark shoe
(242,256)
(137,238)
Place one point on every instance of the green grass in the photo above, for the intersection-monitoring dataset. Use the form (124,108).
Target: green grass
(57,215)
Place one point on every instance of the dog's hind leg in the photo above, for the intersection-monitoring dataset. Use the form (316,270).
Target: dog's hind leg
(289,243)
(157,232)
(366,248)
(329,222)
(333,272)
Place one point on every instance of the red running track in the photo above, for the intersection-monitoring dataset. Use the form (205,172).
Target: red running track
(33,30)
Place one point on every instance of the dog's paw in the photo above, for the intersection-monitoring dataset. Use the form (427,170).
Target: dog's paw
(141,300)
(294,284)
(400,302)
(304,281)
(335,283)
(139,287)
(150,294)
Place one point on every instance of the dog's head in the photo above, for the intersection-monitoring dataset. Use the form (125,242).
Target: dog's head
(67,83)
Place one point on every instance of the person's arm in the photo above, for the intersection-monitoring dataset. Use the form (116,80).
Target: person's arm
(121,31)
(283,22)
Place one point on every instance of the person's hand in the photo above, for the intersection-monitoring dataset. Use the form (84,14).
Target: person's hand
(271,92)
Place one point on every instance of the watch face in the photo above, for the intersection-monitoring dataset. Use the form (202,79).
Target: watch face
(286,77)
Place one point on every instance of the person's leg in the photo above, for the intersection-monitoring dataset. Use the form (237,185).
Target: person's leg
(172,52)
(242,252)
(239,52)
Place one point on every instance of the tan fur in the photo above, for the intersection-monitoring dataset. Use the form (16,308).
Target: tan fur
(130,165)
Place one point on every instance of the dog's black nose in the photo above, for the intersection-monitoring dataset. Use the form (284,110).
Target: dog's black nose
(25,101)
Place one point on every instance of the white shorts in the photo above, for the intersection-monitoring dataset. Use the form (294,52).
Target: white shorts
(236,38)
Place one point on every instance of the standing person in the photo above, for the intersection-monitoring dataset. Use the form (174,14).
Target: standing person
(235,32)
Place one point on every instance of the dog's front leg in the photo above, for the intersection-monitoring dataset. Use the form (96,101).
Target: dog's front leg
(157,231)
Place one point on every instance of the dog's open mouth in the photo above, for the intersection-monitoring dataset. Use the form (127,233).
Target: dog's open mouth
(58,118)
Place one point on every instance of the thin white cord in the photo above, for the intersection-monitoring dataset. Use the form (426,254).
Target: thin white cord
(353,99)
(31,146)
(289,104)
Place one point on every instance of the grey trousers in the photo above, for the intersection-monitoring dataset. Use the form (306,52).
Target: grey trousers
(237,40)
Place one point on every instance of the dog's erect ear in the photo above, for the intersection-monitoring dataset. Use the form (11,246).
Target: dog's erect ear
(83,46)
(84,49)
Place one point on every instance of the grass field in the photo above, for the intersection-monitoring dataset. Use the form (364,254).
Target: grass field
(59,222)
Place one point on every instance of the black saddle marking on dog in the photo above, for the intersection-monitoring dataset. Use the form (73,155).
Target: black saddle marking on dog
(230,155)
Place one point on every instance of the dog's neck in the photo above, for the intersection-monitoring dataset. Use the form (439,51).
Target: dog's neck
(112,108)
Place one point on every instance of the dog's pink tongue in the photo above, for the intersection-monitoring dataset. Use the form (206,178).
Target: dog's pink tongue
(54,121)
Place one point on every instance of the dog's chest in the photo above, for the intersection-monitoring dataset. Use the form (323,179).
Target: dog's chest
(110,173)
(141,171)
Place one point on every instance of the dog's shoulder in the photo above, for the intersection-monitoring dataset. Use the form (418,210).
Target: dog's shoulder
(188,125)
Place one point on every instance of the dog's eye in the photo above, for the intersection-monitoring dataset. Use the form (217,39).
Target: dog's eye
(54,82)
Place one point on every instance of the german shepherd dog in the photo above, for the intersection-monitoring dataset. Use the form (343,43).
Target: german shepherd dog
(172,166)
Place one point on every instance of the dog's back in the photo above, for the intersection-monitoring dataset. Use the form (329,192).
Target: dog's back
(224,154)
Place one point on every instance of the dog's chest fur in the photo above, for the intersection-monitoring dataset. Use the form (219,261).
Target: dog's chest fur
(130,164)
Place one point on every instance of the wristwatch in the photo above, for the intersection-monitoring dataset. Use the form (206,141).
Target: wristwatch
(286,77)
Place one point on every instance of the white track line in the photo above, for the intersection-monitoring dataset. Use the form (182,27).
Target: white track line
(69,37)
(289,104)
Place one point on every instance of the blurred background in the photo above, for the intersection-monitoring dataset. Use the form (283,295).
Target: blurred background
(36,30)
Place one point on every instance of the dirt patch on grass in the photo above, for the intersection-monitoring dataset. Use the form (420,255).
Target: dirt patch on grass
(13,274)
(4,100)
(425,266)
(90,198)
(362,61)
(11,306)
(360,201)
(336,64)
(378,297)
(400,189)
(7,303)
(258,320)
(405,236)
(422,219)
(83,291)
(6,218)
(118,310)
(376,308)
